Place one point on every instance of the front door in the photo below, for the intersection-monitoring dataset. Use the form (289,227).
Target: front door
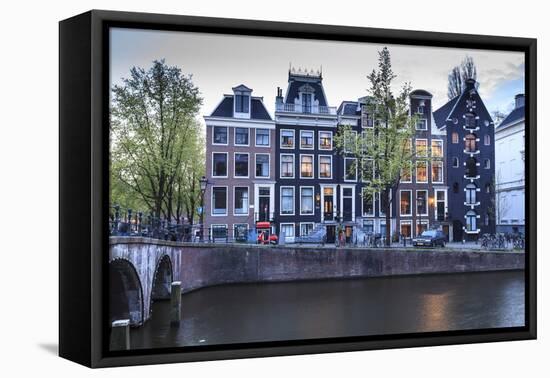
(328,204)
(347,204)
(331,234)
(263,204)
(457,231)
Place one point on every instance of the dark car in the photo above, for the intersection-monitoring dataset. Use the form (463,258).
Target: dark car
(430,238)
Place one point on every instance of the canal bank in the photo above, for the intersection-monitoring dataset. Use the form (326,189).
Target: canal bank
(202,265)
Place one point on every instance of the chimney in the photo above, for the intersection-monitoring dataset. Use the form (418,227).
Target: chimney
(520,100)
(279,98)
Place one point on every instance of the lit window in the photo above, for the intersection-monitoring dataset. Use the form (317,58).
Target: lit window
(421,171)
(406,173)
(421,147)
(287,166)
(470,143)
(325,166)
(437,171)
(454,136)
(437,148)
(405,202)
(306,166)
(287,138)
(422,202)
(325,140)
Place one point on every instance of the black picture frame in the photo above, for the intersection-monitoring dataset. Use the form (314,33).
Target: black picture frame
(83,181)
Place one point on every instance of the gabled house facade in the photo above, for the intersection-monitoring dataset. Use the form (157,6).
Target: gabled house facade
(306,191)
(510,170)
(240,165)
(470,164)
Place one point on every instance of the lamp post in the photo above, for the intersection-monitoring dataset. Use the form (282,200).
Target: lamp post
(203,183)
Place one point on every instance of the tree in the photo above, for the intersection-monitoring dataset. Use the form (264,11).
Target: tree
(458,76)
(498,117)
(384,151)
(153,118)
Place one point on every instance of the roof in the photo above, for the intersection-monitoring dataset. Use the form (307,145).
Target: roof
(441,114)
(348,108)
(225,109)
(421,92)
(295,82)
(516,115)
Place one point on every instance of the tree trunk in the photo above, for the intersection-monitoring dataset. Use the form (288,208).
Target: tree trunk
(388,217)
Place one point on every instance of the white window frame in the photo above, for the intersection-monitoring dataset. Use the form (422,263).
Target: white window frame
(313,199)
(281,166)
(281,139)
(354,138)
(346,172)
(424,122)
(226,164)
(416,147)
(268,138)
(416,172)
(427,204)
(442,172)
(235,165)
(331,140)
(373,197)
(235,137)
(268,165)
(306,223)
(247,205)
(226,200)
(406,222)
(373,170)
(288,224)
(410,175)
(313,140)
(439,141)
(214,132)
(380,213)
(217,225)
(410,202)
(312,167)
(293,200)
(240,224)
(319,166)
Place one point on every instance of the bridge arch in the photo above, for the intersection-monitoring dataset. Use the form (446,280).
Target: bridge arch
(162,281)
(125,292)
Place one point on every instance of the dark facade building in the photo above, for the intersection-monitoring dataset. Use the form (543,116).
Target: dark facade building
(305,170)
(470,163)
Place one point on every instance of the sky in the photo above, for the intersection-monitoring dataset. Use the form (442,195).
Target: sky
(219,62)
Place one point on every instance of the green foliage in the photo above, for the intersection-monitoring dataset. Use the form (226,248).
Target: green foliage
(155,143)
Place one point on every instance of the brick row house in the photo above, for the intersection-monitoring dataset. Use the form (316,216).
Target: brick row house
(240,164)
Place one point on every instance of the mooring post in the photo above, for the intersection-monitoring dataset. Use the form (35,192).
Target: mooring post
(120,334)
(175,303)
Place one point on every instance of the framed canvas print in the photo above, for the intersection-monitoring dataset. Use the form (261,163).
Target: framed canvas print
(235,188)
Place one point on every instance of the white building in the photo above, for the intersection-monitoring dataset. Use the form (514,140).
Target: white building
(510,170)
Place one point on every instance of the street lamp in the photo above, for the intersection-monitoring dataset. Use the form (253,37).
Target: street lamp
(420,202)
(203,183)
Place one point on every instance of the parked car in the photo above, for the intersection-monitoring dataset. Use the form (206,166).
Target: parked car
(430,238)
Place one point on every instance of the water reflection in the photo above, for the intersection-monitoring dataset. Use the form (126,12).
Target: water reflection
(336,308)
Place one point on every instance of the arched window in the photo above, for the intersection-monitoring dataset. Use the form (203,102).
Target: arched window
(487,188)
(487,140)
(471,167)
(471,194)
(470,143)
(454,136)
(456,162)
(471,220)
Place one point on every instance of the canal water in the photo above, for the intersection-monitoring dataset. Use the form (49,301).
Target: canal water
(338,308)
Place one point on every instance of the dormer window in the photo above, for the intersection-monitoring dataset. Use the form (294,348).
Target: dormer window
(242,102)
